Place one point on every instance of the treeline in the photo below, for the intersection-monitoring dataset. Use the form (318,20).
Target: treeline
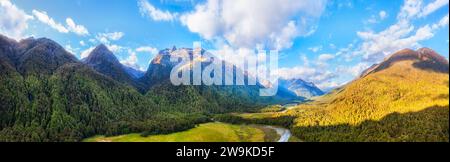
(284,121)
(175,123)
(431,124)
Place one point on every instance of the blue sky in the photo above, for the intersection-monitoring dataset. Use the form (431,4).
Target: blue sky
(323,41)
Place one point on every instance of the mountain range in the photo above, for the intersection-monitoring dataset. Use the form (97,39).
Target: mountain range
(301,87)
(47,94)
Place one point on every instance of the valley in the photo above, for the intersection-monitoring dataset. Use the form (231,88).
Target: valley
(48,95)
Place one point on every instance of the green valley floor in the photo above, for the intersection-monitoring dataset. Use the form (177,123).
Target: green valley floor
(209,132)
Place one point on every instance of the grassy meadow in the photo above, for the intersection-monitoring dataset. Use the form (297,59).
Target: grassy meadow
(209,132)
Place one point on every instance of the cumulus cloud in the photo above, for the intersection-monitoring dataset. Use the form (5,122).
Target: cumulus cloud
(71,26)
(415,8)
(410,9)
(251,23)
(238,28)
(77,29)
(403,34)
(374,46)
(71,49)
(442,23)
(106,38)
(115,48)
(147,49)
(325,57)
(132,61)
(13,21)
(155,14)
(355,70)
(86,52)
(44,18)
(430,8)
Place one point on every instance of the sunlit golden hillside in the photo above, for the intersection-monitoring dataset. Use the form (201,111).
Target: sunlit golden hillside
(405,98)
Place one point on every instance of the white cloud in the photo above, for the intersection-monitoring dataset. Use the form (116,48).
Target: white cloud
(316,48)
(442,23)
(357,69)
(77,29)
(82,43)
(92,40)
(253,23)
(325,57)
(382,15)
(403,34)
(415,8)
(304,59)
(44,18)
(376,18)
(132,61)
(320,77)
(13,21)
(147,49)
(410,9)
(115,48)
(430,8)
(106,38)
(70,49)
(71,26)
(155,14)
(86,52)
(329,85)
(373,47)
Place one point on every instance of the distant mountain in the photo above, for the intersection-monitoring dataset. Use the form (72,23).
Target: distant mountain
(105,62)
(135,73)
(161,66)
(157,79)
(301,87)
(403,98)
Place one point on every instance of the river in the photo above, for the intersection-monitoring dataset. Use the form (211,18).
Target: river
(284,133)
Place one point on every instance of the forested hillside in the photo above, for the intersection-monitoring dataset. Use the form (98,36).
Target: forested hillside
(404,98)
(46,94)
